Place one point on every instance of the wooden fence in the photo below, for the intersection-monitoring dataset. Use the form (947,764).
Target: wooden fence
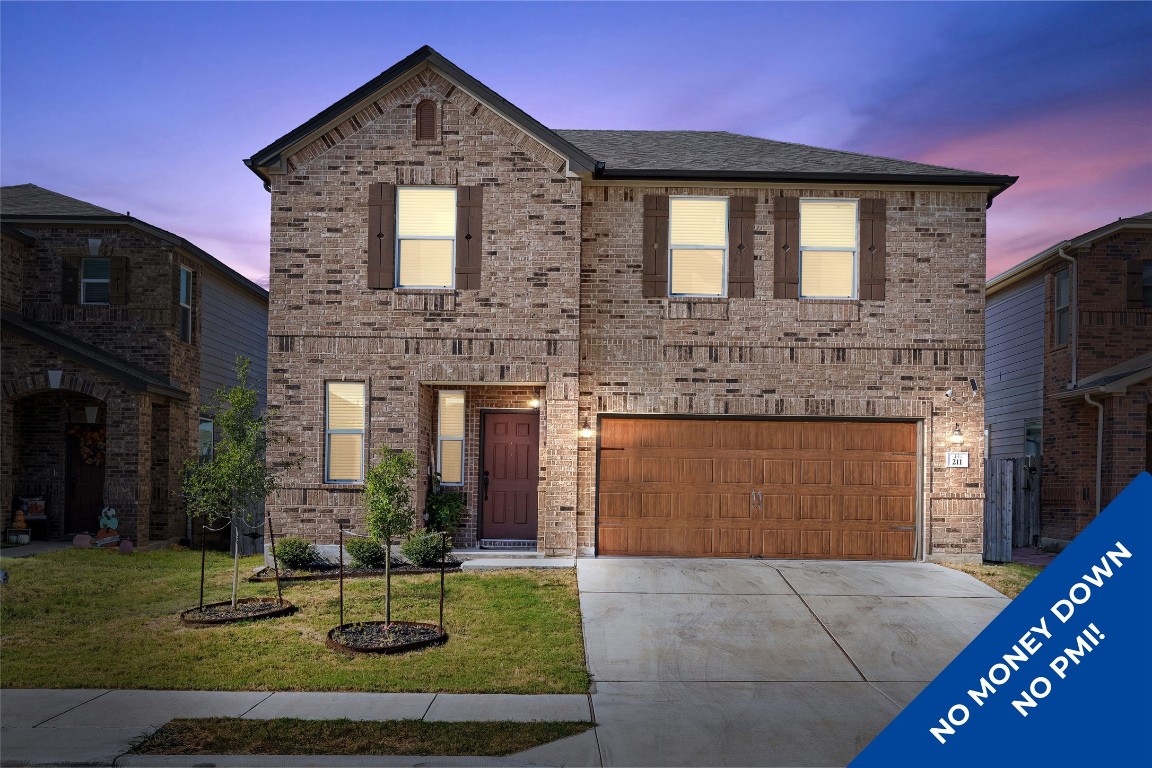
(1011,506)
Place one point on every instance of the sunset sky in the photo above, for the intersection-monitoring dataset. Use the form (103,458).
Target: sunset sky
(149,108)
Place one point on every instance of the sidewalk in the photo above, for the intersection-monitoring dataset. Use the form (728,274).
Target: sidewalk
(97,727)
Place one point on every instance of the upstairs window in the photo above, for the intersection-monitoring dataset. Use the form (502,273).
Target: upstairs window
(1062,325)
(205,441)
(828,248)
(344,432)
(425,237)
(185,305)
(96,281)
(1146,285)
(697,245)
(450,458)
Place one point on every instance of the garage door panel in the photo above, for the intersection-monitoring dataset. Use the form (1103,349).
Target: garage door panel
(713,487)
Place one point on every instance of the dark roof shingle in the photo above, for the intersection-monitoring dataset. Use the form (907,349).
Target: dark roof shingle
(31,200)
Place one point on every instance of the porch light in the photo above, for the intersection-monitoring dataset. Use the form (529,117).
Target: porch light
(90,412)
(534,403)
(585,431)
(957,436)
(54,379)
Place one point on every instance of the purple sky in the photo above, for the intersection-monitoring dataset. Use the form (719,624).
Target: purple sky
(150,107)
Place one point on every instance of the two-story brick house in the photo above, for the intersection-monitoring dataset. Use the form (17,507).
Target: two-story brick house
(1069,335)
(625,342)
(114,332)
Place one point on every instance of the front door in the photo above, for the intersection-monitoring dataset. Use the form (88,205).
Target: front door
(509,476)
(84,475)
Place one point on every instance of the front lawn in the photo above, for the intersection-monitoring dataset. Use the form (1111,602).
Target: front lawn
(96,619)
(1009,579)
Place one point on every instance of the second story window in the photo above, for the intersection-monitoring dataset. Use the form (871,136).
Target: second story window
(95,281)
(1146,284)
(828,249)
(185,305)
(697,245)
(425,237)
(1062,320)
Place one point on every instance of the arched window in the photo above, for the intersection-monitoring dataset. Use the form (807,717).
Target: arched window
(426,120)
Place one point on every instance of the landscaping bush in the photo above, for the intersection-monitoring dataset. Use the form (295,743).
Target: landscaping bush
(445,509)
(426,550)
(366,553)
(296,553)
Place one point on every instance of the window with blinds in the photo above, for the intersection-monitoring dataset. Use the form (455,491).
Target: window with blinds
(697,245)
(425,237)
(451,438)
(95,281)
(1063,316)
(828,248)
(344,432)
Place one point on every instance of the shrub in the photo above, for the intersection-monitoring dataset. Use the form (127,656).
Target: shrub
(445,509)
(366,553)
(426,550)
(296,553)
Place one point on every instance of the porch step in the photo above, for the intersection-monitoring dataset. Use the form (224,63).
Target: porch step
(517,544)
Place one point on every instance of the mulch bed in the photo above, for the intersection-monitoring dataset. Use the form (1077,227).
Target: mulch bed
(381,637)
(333,572)
(245,609)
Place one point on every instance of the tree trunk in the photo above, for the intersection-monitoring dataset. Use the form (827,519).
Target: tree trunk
(388,580)
(235,559)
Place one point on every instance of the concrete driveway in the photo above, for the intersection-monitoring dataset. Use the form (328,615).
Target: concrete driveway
(765,662)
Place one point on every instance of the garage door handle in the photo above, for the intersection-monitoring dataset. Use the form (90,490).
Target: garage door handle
(758,500)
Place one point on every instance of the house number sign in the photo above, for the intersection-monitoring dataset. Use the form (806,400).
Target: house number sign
(957,459)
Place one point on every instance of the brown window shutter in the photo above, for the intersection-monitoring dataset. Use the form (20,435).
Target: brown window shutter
(381,235)
(469,228)
(1135,283)
(655,246)
(118,280)
(426,121)
(873,222)
(70,279)
(786,247)
(741,247)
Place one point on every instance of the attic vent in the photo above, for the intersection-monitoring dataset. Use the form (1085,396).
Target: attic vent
(426,120)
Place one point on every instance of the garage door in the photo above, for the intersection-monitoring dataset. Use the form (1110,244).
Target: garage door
(779,489)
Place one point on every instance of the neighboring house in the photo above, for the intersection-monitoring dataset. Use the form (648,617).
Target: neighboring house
(624,342)
(1069,370)
(113,333)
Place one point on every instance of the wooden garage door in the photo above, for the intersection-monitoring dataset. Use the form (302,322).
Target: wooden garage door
(779,489)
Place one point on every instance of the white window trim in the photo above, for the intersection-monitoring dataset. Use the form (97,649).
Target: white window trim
(85,281)
(328,432)
(452,283)
(829,249)
(441,439)
(185,308)
(675,247)
(1057,307)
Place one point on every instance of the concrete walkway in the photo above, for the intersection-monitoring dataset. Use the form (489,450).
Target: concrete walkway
(766,663)
(694,662)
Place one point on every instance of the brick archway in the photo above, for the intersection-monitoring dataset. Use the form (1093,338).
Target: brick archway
(17,388)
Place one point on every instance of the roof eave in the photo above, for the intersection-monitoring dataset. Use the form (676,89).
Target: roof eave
(270,156)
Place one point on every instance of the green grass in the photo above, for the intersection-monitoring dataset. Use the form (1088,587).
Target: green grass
(286,736)
(95,619)
(1009,579)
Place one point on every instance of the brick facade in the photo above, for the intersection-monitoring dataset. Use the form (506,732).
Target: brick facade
(1107,332)
(560,316)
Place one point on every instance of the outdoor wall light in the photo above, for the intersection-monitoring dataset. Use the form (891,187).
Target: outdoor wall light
(90,413)
(585,431)
(534,402)
(957,436)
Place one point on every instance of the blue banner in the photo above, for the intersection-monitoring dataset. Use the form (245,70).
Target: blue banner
(1062,677)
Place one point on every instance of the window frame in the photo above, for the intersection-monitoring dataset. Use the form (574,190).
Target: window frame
(1061,334)
(200,452)
(328,432)
(85,281)
(697,247)
(854,295)
(441,439)
(1146,285)
(452,239)
(185,308)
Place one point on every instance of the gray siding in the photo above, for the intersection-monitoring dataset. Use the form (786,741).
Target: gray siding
(233,322)
(1014,365)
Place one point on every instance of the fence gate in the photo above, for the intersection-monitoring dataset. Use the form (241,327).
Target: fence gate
(999,498)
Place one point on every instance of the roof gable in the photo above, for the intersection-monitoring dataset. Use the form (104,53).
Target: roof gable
(31,200)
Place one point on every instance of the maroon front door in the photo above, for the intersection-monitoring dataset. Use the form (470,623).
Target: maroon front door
(84,475)
(509,475)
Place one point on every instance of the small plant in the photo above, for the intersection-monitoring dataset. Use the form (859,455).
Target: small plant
(444,508)
(366,553)
(296,553)
(426,550)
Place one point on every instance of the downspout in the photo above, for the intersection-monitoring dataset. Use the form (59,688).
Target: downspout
(1072,310)
(1099,445)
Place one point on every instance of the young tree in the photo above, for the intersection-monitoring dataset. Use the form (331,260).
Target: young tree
(390,511)
(230,483)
